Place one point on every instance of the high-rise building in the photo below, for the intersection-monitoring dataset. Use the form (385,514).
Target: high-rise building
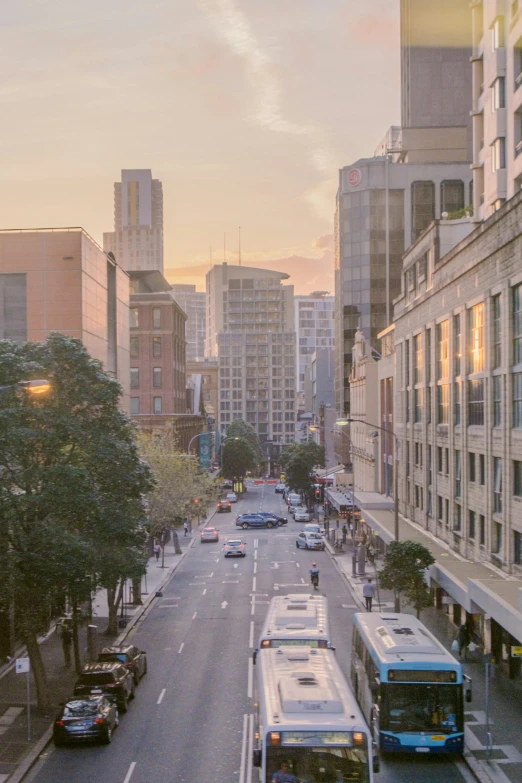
(194,304)
(250,329)
(314,325)
(137,239)
(497,104)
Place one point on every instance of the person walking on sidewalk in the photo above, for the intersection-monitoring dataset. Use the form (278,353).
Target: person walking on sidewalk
(186,527)
(67,638)
(368,593)
(345,533)
(157,551)
(463,639)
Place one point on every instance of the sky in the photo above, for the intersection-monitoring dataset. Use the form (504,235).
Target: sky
(244,109)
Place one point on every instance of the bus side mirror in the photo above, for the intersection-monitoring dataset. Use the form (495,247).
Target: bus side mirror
(469,696)
(256,758)
(254,657)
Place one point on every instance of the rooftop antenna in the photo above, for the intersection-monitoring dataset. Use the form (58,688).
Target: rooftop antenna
(239,245)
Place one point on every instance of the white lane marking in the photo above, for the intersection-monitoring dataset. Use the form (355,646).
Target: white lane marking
(130,771)
(250,746)
(204,591)
(162,694)
(466,773)
(255,568)
(302,580)
(168,606)
(230,582)
(255,555)
(256,542)
(196,584)
(253,609)
(250,685)
(254,581)
(224,604)
(251,635)
(243,750)
(181,647)
(194,615)
(297,565)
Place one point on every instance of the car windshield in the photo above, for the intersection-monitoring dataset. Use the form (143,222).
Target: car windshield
(314,536)
(210,530)
(81,709)
(233,543)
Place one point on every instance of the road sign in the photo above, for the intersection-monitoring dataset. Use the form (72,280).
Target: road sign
(516,652)
(23,666)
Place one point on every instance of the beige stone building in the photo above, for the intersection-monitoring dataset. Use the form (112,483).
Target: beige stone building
(60,280)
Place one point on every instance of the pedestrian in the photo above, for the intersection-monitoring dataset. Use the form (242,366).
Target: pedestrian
(157,551)
(463,638)
(368,593)
(350,527)
(345,533)
(327,526)
(186,527)
(67,638)
(337,524)
(371,554)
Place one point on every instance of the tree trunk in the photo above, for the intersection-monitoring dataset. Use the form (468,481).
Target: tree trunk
(136,592)
(76,646)
(175,540)
(114,597)
(43,693)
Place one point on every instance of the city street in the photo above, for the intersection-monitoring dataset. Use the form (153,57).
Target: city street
(190,720)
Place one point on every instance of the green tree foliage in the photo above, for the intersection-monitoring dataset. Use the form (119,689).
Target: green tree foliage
(299,461)
(241,429)
(71,488)
(178,481)
(238,458)
(403,572)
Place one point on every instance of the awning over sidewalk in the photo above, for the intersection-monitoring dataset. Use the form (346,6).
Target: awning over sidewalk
(339,500)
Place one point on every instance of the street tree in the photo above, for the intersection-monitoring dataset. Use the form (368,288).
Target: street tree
(71,487)
(299,461)
(242,429)
(403,572)
(238,458)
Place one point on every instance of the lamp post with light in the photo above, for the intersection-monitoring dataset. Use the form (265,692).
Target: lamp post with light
(31,387)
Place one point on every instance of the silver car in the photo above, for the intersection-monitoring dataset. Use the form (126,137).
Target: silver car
(209,534)
(235,547)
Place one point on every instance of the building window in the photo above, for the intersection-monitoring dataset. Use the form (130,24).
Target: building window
(443,404)
(430,470)
(418,497)
(440,508)
(134,406)
(517,400)
(451,196)
(156,347)
(417,359)
(442,350)
(497,332)
(428,404)
(457,521)
(517,478)
(498,93)
(498,154)
(476,402)
(407,363)
(497,487)
(458,475)
(156,377)
(418,455)
(407,405)
(156,319)
(482,529)
(134,378)
(157,405)
(517,538)
(497,538)
(457,343)
(456,390)
(430,504)
(440,459)
(134,318)
(476,338)
(417,397)
(497,34)
(134,347)
(471,463)
(471,525)
(482,470)
(497,400)
(427,351)
(446,454)
(423,207)
(517,324)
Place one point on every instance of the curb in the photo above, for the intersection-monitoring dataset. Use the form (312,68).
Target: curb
(22,770)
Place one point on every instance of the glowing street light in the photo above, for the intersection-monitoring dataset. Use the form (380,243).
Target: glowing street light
(31,387)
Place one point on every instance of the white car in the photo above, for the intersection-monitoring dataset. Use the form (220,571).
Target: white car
(312,527)
(235,547)
(231,497)
(309,541)
(302,515)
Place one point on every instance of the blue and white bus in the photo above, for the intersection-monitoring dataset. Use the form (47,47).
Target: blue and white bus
(410,688)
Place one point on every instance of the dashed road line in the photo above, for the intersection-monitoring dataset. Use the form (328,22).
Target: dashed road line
(251,635)
(181,647)
(194,615)
(250,684)
(162,694)
(130,771)
(204,591)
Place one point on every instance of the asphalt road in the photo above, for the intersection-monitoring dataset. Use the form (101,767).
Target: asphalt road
(190,721)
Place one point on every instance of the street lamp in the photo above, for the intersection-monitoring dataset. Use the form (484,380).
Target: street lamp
(31,387)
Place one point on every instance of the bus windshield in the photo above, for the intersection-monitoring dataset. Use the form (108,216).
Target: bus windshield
(421,707)
(319,764)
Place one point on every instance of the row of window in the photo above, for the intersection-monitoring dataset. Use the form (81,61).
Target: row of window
(157,405)
(157,377)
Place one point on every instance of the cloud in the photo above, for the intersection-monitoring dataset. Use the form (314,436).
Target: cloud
(233,26)
(323,242)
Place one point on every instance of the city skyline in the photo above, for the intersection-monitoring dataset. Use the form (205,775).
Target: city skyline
(238,137)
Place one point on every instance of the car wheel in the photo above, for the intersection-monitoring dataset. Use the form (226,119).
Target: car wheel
(269,524)
(280,524)
(108,736)
(297,545)
(245,525)
(58,743)
(146,668)
(123,706)
(132,693)
(117,719)
(244,554)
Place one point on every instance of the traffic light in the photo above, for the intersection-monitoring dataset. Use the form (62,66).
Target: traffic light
(196,501)
(318,494)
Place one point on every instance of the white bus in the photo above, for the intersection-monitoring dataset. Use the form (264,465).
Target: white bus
(296,619)
(308,719)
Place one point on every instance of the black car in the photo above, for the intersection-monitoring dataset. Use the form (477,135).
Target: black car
(268,515)
(80,720)
(224,505)
(128,655)
(111,679)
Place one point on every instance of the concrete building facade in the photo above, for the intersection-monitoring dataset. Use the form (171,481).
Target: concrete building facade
(320,381)
(194,304)
(314,325)
(137,239)
(60,280)
(250,330)
(202,376)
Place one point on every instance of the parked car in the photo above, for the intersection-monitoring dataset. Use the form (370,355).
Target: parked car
(131,657)
(268,515)
(301,514)
(279,489)
(224,505)
(313,527)
(228,483)
(80,720)
(231,497)
(209,534)
(235,547)
(293,508)
(254,520)
(309,541)
(111,679)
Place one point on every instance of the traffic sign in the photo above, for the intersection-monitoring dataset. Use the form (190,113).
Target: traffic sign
(23,666)
(516,652)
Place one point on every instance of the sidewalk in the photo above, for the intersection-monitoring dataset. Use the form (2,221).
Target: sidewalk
(505,696)
(17,753)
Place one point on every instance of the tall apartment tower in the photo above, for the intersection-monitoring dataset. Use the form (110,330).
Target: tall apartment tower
(314,324)
(137,239)
(250,329)
(194,304)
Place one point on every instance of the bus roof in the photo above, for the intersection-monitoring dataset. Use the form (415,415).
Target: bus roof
(296,616)
(305,688)
(396,638)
